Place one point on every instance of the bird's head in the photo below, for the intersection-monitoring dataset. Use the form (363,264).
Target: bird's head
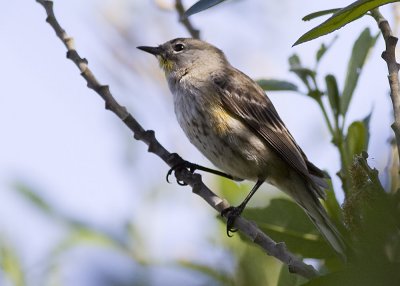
(183,55)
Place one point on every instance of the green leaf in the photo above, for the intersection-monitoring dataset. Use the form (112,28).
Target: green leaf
(366,121)
(333,93)
(274,85)
(294,61)
(255,268)
(43,205)
(361,48)
(10,264)
(333,264)
(319,14)
(356,139)
(323,49)
(215,274)
(284,221)
(82,235)
(233,191)
(342,17)
(304,74)
(32,196)
(387,274)
(289,279)
(393,169)
(201,6)
(332,206)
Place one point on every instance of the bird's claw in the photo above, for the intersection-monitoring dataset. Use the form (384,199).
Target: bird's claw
(181,165)
(231,213)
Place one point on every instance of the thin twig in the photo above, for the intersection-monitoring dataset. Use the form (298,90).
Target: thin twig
(277,250)
(195,33)
(389,55)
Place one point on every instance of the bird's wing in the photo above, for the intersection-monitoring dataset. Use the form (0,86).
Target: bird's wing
(242,97)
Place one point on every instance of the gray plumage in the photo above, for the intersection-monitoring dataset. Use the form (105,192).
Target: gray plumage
(229,118)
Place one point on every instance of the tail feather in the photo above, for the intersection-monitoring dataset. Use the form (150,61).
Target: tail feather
(307,195)
(321,220)
(317,178)
(319,185)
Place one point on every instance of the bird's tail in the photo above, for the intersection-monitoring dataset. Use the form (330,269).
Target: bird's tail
(308,198)
(320,218)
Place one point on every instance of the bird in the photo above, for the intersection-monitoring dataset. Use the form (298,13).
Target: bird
(229,118)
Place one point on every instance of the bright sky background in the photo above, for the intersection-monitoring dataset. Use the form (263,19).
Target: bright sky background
(57,137)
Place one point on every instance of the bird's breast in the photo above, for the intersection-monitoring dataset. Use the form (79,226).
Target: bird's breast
(225,140)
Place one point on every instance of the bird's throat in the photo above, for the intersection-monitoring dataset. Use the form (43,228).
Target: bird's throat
(165,64)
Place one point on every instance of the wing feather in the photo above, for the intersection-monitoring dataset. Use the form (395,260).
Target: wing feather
(248,102)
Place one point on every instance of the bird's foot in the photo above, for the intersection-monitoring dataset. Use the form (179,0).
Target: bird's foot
(231,214)
(179,165)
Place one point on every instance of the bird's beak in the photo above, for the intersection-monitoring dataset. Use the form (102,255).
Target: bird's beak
(166,64)
(151,50)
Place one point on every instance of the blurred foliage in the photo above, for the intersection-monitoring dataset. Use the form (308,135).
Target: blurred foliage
(372,216)
(288,279)
(10,264)
(284,221)
(273,84)
(78,234)
(253,267)
(357,137)
(231,190)
(359,54)
(217,276)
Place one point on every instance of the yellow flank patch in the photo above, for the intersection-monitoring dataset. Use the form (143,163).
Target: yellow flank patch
(165,64)
(220,120)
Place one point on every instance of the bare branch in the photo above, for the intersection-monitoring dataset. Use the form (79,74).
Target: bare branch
(195,33)
(389,55)
(277,250)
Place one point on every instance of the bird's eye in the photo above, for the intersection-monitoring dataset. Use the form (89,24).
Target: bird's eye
(178,47)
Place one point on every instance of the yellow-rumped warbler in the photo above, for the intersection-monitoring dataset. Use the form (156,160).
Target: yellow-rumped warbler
(229,118)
